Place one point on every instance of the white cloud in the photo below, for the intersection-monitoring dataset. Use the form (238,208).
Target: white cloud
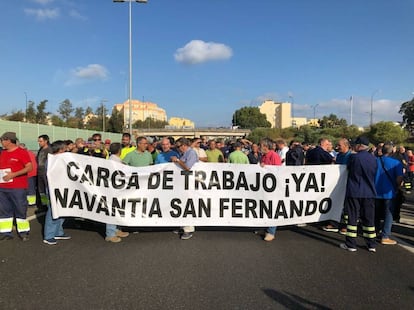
(382,110)
(43,2)
(43,14)
(198,51)
(89,73)
(75,14)
(93,71)
(267,96)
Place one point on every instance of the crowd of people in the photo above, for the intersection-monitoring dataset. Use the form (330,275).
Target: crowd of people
(376,175)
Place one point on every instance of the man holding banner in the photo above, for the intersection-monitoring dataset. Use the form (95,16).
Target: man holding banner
(139,157)
(188,158)
(167,152)
(269,157)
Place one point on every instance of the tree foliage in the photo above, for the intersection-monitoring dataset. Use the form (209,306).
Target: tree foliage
(41,114)
(57,121)
(65,110)
(407,111)
(149,123)
(94,123)
(306,133)
(31,112)
(17,116)
(332,121)
(116,121)
(259,133)
(387,131)
(250,118)
(79,116)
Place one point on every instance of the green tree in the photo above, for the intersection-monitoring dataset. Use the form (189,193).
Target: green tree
(116,121)
(308,134)
(79,116)
(259,133)
(65,110)
(17,116)
(332,121)
(407,111)
(387,131)
(31,113)
(41,114)
(88,111)
(250,118)
(57,121)
(94,123)
(149,123)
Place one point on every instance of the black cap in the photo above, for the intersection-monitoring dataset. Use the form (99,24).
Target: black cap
(362,140)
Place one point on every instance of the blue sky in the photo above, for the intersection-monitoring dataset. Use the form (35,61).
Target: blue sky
(203,60)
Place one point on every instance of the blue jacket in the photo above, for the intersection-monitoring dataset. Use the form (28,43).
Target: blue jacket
(318,156)
(362,168)
(386,184)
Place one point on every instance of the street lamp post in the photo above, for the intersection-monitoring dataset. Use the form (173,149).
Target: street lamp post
(25,113)
(103,114)
(314,111)
(372,107)
(130,59)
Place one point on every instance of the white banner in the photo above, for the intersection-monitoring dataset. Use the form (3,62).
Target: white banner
(211,194)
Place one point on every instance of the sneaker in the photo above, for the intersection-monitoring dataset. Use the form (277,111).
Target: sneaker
(186,236)
(269,237)
(114,239)
(345,247)
(388,241)
(330,228)
(302,225)
(177,231)
(122,234)
(63,237)
(373,250)
(24,237)
(342,231)
(6,236)
(51,241)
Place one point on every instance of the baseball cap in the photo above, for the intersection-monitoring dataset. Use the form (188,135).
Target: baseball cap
(362,140)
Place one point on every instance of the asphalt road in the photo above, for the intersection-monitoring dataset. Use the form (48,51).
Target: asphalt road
(303,268)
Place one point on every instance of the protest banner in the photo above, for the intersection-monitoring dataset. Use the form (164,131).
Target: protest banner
(211,194)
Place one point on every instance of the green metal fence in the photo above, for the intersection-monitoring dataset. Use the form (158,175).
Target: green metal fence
(28,133)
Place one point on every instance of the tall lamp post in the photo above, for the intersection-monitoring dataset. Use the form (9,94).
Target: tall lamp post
(372,107)
(130,59)
(314,111)
(25,113)
(103,114)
